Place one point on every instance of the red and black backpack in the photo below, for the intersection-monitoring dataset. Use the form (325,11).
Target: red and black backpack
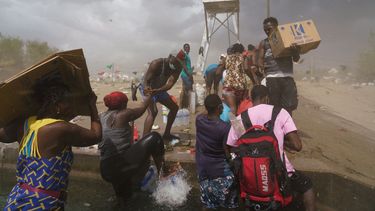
(261,172)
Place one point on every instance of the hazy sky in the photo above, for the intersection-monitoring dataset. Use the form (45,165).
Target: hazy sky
(130,33)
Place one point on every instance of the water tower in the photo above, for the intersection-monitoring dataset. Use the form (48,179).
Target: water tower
(218,14)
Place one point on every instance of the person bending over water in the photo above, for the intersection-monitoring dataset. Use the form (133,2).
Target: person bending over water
(45,155)
(123,163)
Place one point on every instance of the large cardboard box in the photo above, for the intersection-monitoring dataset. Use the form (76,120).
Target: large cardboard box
(303,33)
(16,93)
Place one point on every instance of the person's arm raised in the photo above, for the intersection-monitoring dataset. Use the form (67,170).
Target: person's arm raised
(295,52)
(82,137)
(132,114)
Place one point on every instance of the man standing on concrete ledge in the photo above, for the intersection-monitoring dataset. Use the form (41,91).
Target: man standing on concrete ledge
(187,79)
(160,77)
(278,71)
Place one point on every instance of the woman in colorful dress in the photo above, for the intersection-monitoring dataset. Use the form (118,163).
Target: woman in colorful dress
(235,87)
(45,155)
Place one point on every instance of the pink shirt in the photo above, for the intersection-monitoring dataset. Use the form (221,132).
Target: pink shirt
(261,114)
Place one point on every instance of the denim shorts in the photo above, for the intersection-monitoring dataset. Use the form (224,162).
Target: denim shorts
(156,98)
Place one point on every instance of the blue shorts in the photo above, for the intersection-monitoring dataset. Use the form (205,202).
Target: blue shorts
(219,192)
(156,98)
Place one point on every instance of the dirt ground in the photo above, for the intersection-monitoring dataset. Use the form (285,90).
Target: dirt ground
(336,123)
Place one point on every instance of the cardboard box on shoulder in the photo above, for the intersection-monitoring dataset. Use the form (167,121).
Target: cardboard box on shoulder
(303,33)
(17,96)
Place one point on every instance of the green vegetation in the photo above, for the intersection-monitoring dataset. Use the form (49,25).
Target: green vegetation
(17,54)
(366,71)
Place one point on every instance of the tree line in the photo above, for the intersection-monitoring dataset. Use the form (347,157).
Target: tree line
(17,54)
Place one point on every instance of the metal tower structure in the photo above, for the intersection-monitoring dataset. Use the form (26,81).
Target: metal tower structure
(217,15)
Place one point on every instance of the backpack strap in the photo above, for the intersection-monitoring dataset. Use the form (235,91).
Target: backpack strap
(275,112)
(246,120)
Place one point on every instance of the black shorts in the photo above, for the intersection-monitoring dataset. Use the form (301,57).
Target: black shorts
(300,183)
(126,169)
(283,92)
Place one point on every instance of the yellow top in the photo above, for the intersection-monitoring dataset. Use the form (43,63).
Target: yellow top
(29,142)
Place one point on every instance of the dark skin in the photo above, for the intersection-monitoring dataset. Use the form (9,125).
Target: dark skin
(215,115)
(269,28)
(126,115)
(55,137)
(187,50)
(253,69)
(234,101)
(218,75)
(155,83)
(292,142)
(184,101)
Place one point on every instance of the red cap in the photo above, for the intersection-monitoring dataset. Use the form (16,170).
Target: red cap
(115,100)
(181,55)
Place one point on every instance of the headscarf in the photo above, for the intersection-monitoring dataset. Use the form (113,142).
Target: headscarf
(115,100)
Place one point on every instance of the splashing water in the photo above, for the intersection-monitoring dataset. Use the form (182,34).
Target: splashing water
(173,190)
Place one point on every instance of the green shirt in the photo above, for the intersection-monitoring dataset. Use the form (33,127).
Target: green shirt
(188,66)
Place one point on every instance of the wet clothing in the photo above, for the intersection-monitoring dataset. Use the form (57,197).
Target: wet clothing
(114,140)
(276,67)
(126,169)
(283,92)
(41,182)
(236,76)
(220,192)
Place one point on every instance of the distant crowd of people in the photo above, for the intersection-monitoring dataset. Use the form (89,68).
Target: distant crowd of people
(241,139)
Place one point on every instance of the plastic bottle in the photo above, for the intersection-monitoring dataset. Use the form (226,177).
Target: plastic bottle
(177,121)
(182,117)
(187,117)
(149,181)
(237,124)
(200,91)
(193,101)
(165,112)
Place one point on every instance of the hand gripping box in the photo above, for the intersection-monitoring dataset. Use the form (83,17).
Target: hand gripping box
(16,93)
(303,33)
